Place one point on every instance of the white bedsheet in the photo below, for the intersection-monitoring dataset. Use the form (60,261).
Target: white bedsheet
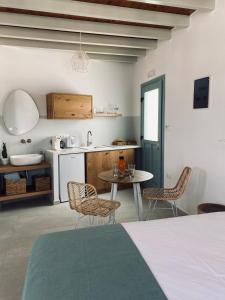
(186,254)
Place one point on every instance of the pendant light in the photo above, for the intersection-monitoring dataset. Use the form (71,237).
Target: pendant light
(80,60)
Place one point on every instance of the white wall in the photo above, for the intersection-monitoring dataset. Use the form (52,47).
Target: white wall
(40,71)
(193,137)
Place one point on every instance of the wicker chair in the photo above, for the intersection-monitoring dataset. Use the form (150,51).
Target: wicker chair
(83,198)
(153,195)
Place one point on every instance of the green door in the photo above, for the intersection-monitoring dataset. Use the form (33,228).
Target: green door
(152,129)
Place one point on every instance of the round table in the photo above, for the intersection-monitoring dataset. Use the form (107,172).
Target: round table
(139,176)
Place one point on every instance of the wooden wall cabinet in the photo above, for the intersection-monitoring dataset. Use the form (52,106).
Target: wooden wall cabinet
(69,106)
(97,162)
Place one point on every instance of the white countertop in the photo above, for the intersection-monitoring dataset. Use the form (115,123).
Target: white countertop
(92,149)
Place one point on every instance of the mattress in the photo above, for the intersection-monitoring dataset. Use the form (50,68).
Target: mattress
(185,254)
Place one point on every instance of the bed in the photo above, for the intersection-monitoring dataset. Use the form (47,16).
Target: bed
(176,258)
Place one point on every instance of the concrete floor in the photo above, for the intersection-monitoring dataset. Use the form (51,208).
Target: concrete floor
(22,222)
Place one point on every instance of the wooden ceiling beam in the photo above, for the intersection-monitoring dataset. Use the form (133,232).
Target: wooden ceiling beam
(60,24)
(73,37)
(99,11)
(186,4)
(79,18)
(145,5)
(73,47)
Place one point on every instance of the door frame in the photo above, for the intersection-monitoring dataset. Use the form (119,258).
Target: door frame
(161,78)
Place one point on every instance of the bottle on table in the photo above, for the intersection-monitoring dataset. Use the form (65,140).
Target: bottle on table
(122,165)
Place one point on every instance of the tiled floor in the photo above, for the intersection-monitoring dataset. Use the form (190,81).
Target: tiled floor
(21,223)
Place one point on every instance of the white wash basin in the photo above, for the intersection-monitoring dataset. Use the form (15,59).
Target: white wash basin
(25,159)
(93,147)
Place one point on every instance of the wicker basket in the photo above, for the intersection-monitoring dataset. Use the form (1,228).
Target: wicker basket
(124,142)
(119,143)
(42,183)
(13,187)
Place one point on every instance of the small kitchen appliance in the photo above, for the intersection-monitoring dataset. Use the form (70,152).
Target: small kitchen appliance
(72,141)
(56,142)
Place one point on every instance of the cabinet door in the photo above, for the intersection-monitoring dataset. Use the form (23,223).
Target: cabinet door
(97,162)
(69,106)
(91,169)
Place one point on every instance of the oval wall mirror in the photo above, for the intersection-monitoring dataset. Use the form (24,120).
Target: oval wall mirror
(20,113)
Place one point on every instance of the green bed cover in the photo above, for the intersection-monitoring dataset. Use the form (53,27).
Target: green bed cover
(98,263)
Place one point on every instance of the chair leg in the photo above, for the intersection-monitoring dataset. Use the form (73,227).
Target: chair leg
(99,220)
(112,218)
(150,204)
(91,220)
(150,208)
(155,204)
(176,209)
(77,219)
(102,220)
(173,209)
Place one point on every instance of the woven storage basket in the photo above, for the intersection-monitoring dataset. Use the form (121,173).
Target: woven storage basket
(42,183)
(119,143)
(13,187)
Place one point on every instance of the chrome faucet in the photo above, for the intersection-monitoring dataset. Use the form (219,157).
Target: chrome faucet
(89,139)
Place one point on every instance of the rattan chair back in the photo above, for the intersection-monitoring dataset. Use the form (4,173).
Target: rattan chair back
(183,180)
(79,192)
(84,199)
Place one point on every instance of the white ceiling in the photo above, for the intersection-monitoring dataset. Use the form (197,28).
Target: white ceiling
(121,32)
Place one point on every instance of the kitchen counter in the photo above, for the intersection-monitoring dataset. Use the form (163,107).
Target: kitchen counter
(53,157)
(92,149)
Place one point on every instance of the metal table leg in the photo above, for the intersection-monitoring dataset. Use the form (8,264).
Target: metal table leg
(139,201)
(136,197)
(114,188)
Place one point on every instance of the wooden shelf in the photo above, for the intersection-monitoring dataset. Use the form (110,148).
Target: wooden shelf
(30,191)
(107,115)
(11,169)
(25,195)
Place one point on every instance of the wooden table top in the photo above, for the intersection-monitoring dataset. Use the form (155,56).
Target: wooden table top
(139,176)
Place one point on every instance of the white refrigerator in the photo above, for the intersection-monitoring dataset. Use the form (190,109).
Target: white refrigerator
(71,168)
